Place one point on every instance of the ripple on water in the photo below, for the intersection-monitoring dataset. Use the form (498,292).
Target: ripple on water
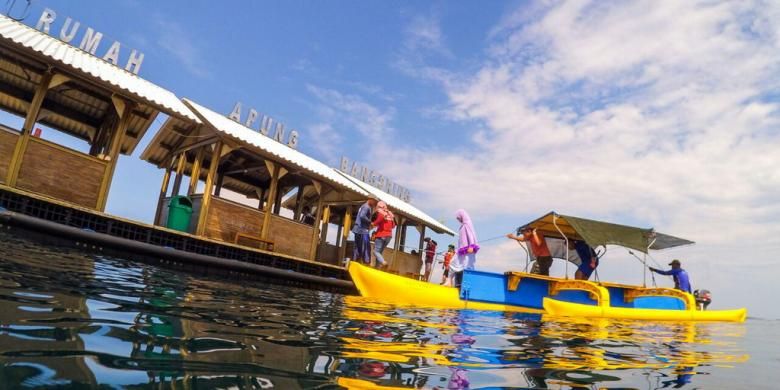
(70,318)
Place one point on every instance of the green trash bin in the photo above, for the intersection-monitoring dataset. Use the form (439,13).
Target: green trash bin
(179,213)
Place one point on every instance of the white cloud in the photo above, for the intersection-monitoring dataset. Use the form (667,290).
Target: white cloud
(423,34)
(348,112)
(631,111)
(175,39)
(326,139)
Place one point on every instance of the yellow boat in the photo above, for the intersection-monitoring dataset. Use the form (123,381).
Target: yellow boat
(399,290)
(530,293)
(575,298)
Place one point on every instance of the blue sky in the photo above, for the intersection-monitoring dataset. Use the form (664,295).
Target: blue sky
(638,112)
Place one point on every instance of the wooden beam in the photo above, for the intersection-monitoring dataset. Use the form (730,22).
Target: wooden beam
(123,110)
(195,173)
(179,173)
(206,201)
(275,169)
(163,190)
(186,148)
(29,122)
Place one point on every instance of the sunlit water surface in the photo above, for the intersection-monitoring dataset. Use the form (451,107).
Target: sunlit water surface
(71,319)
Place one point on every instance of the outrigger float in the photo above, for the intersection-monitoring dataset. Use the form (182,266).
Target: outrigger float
(529,293)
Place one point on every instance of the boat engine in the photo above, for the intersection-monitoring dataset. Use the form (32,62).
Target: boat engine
(703,298)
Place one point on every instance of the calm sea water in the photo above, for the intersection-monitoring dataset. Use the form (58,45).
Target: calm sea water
(72,319)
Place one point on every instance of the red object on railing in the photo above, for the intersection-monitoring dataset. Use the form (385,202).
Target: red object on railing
(37,132)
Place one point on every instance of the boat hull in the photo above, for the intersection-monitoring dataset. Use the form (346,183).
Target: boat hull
(390,288)
(556,308)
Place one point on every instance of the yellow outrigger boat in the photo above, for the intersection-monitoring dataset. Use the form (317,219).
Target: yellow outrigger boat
(530,293)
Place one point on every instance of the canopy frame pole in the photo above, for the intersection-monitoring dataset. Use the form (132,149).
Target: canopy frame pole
(565,243)
(645,260)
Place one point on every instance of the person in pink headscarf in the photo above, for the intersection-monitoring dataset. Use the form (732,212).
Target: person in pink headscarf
(467,248)
(384,224)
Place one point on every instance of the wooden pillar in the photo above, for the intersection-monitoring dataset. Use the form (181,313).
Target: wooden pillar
(421,229)
(397,242)
(316,231)
(271,196)
(344,230)
(195,174)
(299,203)
(403,236)
(216,154)
(29,122)
(124,110)
(318,221)
(219,181)
(278,200)
(325,227)
(182,163)
(163,191)
(339,229)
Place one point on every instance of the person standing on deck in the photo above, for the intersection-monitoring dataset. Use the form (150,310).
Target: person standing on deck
(680,276)
(384,224)
(430,253)
(362,250)
(467,248)
(588,260)
(538,248)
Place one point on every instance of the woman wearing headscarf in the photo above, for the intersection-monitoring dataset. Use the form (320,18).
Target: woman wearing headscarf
(384,224)
(467,248)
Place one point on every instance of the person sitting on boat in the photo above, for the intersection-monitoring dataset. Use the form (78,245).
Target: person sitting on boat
(384,224)
(467,248)
(362,249)
(538,248)
(307,217)
(430,253)
(445,279)
(588,260)
(681,280)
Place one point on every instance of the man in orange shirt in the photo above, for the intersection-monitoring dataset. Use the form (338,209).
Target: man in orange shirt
(538,247)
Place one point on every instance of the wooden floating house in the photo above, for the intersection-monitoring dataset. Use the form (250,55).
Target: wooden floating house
(50,84)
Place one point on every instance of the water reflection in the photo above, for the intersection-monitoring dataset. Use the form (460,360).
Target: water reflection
(68,318)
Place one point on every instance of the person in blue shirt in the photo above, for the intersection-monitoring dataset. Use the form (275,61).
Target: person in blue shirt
(588,260)
(361,229)
(681,280)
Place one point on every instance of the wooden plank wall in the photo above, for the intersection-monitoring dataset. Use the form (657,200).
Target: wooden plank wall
(404,264)
(60,173)
(227,218)
(7,146)
(290,237)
